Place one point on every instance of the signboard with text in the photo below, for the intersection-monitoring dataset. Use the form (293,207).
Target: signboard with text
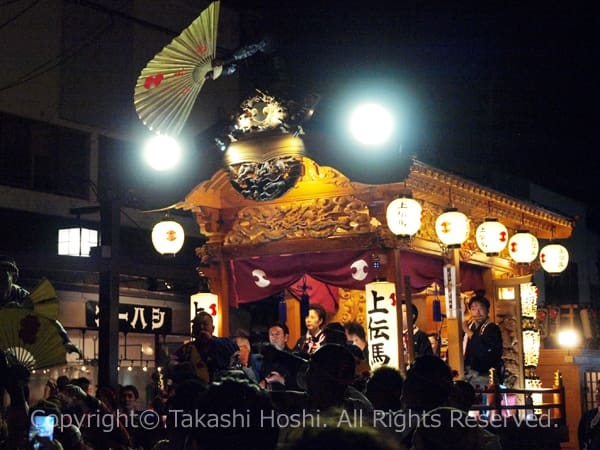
(452,302)
(133,318)
(382,324)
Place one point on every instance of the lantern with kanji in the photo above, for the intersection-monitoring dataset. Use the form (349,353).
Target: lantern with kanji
(523,247)
(491,237)
(404,216)
(554,258)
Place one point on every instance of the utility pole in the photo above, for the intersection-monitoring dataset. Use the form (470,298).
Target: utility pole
(108,296)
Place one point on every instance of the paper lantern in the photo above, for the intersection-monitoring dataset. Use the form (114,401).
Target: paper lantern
(554,258)
(167,237)
(491,237)
(452,228)
(404,216)
(523,247)
(529,297)
(208,302)
(531,348)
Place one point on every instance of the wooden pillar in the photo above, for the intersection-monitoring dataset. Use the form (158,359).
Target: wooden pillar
(108,291)
(224,298)
(398,288)
(217,275)
(293,320)
(410,341)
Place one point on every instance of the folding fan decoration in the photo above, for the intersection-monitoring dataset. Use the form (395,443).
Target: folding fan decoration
(32,339)
(167,87)
(45,299)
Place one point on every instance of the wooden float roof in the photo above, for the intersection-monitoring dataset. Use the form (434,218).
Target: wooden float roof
(426,183)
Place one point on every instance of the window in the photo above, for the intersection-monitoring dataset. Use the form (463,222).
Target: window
(37,155)
(15,158)
(591,385)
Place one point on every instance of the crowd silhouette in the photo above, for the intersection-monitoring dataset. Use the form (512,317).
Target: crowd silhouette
(266,396)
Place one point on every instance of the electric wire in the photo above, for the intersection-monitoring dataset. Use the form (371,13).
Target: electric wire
(63,57)
(9,2)
(55,62)
(19,14)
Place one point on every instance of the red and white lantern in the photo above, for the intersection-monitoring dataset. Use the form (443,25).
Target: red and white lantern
(491,237)
(168,237)
(452,228)
(554,258)
(523,247)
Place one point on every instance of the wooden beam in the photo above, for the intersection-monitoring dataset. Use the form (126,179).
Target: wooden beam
(298,246)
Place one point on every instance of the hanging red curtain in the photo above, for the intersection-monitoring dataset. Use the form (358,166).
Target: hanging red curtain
(424,270)
(257,278)
(321,274)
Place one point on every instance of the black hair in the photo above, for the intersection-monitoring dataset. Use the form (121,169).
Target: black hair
(62,381)
(384,388)
(281,325)
(356,328)
(82,382)
(335,333)
(462,395)
(130,387)
(201,314)
(414,312)
(479,298)
(320,312)
(226,396)
(427,384)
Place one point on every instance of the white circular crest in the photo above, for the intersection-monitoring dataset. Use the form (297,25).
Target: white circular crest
(360,269)
(260,278)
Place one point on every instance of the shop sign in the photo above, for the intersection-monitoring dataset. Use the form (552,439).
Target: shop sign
(133,318)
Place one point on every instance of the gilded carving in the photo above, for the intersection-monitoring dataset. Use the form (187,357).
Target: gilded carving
(210,223)
(510,353)
(318,218)
(327,175)
(351,307)
(469,247)
(209,253)
(429,215)
(386,237)
(265,180)
(346,308)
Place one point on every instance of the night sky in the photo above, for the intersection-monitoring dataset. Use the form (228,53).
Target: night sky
(476,86)
(510,87)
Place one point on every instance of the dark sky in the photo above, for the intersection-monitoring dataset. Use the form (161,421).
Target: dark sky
(513,86)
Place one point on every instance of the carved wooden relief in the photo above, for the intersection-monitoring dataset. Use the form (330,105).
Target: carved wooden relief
(319,218)
(351,307)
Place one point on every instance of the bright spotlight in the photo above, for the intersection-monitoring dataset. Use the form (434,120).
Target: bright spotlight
(568,339)
(162,152)
(371,124)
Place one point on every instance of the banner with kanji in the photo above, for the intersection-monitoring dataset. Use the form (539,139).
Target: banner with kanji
(382,324)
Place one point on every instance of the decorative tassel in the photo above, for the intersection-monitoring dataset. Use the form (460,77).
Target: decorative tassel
(304,305)
(304,300)
(437,310)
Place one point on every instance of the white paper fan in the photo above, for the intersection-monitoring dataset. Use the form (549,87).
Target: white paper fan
(167,87)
